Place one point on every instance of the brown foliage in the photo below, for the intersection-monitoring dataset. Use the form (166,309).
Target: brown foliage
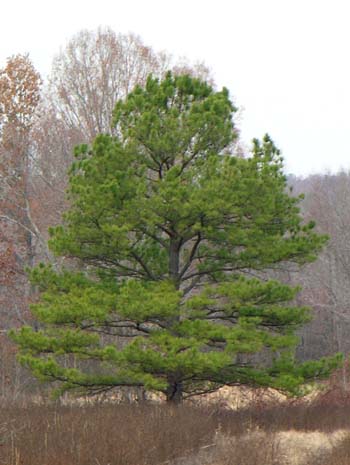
(19,93)
(19,96)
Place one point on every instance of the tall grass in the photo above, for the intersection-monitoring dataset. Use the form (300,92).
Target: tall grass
(101,435)
(143,434)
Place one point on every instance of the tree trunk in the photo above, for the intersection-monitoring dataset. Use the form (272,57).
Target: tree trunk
(174,394)
(174,261)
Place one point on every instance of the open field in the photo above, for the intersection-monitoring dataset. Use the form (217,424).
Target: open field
(141,434)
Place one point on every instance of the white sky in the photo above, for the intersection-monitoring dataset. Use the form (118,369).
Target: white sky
(286,62)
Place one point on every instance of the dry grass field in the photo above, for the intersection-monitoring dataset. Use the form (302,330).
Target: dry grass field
(259,433)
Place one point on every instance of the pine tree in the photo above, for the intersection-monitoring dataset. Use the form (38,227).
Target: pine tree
(169,227)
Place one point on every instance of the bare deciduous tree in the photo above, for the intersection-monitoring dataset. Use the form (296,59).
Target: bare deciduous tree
(326,283)
(94,71)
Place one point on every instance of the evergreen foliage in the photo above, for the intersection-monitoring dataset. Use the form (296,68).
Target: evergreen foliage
(169,226)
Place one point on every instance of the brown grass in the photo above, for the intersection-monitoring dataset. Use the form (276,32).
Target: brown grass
(144,434)
(101,435)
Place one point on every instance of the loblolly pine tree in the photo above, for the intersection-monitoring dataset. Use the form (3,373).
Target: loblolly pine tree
(168,226)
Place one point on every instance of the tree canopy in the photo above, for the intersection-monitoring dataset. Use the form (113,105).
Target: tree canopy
(171,232)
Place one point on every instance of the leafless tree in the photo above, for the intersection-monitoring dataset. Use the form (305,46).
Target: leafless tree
(95,70)
(326,283)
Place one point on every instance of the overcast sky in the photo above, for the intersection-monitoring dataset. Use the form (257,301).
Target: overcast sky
(286,62)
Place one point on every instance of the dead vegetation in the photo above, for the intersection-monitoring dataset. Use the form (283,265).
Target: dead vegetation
(146,434)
